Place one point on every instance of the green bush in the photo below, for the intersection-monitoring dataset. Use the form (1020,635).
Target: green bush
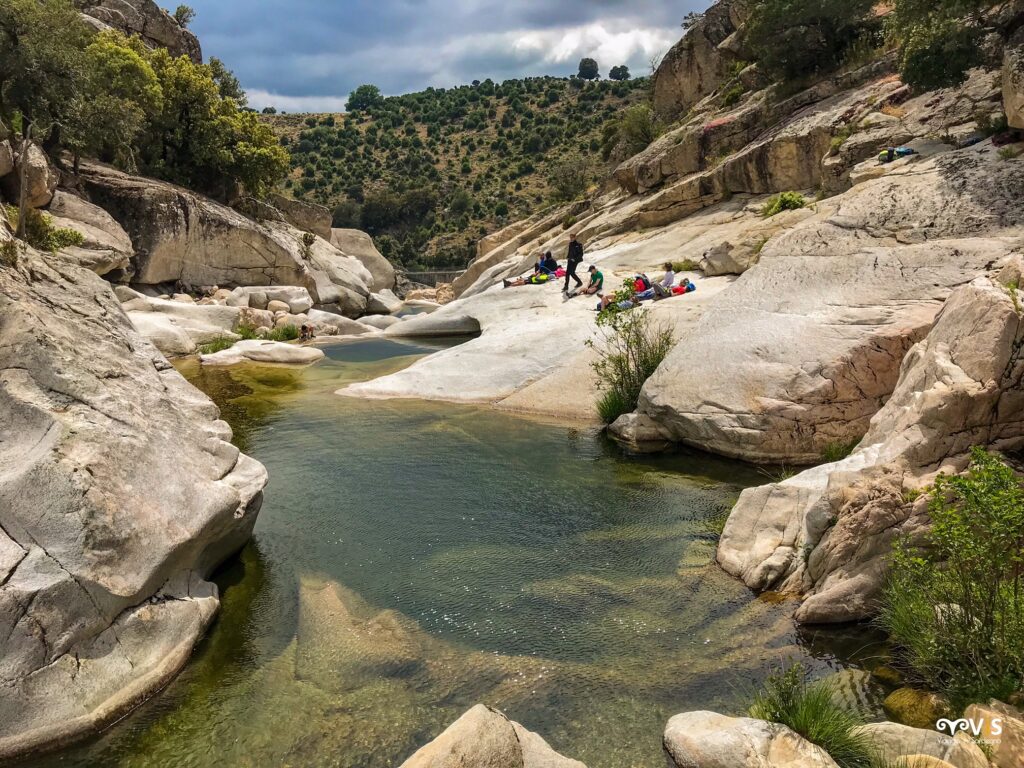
(786,201)
(216,346)
(686,265)
(954,608)
(632,348)
(812,710)
(284,333)
(40,232)
(838,451)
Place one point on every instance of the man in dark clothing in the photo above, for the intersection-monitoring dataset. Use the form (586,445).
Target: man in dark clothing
(573,259)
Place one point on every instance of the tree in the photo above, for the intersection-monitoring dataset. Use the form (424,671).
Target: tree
(184,14)
(363,98)
(227,84)
(270,110)
(939,40)
(619,73)
(569,178)
(588,69)
(792,39)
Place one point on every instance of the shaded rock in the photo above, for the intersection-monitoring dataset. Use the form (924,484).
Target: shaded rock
(40,178)
(6,157)
(710,740)
(894,741)
(918,709)
(156,27)
(106,242)
(119,493)
(383,303)
(638,434)
(1013,82)
(258,351)
(309,217)
(485,738)
(828,531)
(696,66)
(359,245)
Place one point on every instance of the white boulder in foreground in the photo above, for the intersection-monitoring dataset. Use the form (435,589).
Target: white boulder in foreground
(895,741)
(485,738)
(259,351)
(711,740)
(828,531)
(119,494)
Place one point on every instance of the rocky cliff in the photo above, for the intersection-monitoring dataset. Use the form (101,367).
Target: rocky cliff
(156,27)
(119,494)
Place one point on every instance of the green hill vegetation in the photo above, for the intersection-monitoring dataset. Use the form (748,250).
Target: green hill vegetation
(427,174)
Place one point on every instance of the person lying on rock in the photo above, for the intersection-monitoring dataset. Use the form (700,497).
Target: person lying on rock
(543,271)
(661,289)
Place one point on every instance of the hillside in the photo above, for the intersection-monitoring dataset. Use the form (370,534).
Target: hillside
(428,173)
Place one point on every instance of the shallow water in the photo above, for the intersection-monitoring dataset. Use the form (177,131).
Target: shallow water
(412,559)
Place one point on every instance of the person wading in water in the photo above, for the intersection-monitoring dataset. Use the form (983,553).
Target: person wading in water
(573,259)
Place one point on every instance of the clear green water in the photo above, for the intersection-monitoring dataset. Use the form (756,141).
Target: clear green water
(412,559)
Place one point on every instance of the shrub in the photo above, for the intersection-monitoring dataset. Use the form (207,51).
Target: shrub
(937,44)
(955,608)
(838,451)
(9,253)
(631,350)
(216,346)
(811,710)
(732,94)
(569,178)
(786,201)
(284,333)
(1010,153)
(40,232)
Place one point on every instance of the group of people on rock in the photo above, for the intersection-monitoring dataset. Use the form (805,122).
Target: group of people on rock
(547,269)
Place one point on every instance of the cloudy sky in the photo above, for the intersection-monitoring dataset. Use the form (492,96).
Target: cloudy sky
(307,55)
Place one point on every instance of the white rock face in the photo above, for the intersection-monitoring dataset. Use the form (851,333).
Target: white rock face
(179,236)
(383,303)
(119,493)
(485,738)
(309,217)
(144,18)
(806,346)
(257,351)
(828,531)
(379,322)
(176,328)
(359,245)
(710,740)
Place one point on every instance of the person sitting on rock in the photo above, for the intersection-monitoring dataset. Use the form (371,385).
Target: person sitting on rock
(306,333)
(661,289)
(543,271)
(546,265)
(594,287)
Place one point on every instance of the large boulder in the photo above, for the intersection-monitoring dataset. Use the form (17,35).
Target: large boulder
(40,178)
(710,740)
(698,64)
(179,236)
(1003,731)
(894,742)
(806,345)
(359,245)
(828,531)
(309,217)
(119,494)
(486,738)
(6,157)
(155,26)
(106,246)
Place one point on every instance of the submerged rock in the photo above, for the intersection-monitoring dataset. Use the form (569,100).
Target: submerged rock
(260,351)
(485,737)
(119,493)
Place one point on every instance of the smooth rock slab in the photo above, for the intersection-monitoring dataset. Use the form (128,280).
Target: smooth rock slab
(257,351)
(894,741)
(710,740)
(485,738)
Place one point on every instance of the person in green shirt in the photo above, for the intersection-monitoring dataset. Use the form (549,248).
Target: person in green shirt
(596,284)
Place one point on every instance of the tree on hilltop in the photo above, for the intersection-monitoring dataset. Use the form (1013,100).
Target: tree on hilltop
(363,98)
(588,69)
(619,73)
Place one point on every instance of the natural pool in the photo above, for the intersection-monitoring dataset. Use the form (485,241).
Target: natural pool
(412,559)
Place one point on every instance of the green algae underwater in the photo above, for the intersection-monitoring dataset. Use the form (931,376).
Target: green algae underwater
(412,559)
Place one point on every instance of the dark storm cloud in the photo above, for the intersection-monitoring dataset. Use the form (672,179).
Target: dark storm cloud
(309,54)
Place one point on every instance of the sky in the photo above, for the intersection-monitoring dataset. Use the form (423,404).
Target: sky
(308,55)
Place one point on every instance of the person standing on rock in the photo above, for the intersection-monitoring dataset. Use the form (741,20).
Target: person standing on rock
(573,259)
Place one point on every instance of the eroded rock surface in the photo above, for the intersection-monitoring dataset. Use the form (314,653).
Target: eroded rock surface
(156,27)
(119,493)
(828,531)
